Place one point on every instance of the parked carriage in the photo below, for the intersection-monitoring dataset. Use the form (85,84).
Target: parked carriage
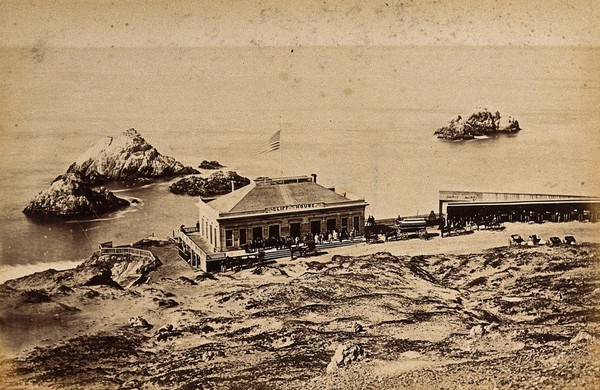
(516,239)
(402,229)
(307,248)
(416,226)
(374,230)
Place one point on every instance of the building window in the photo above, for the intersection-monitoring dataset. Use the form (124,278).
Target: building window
(345,224)
(242,237)
(228,238)
(211,235)
(274,231)
(294,230)
(257,233)
(356,224)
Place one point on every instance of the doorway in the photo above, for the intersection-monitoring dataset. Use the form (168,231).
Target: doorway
(315,227)
(257,233)
(274,231)
(294,230)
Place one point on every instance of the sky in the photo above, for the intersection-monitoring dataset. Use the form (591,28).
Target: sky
(99,23)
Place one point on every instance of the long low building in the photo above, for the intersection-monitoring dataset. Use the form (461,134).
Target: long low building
(277,207)
(484,207)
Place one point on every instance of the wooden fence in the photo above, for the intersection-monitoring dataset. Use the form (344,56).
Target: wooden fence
(128,251)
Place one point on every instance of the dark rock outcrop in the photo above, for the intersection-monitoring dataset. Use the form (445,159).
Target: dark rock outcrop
(123,269)
(480,123)
(127,158)
(218,183)
(71,196)
(210,165)
(344,356)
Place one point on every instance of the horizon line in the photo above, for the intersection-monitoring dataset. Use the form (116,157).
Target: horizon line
(344,45)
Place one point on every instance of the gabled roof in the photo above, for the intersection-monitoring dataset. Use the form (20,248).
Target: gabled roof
(257,197)
(226,203)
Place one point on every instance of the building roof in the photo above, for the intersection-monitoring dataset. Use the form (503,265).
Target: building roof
(529,202)
(264,195)
(482,196)
(226,203)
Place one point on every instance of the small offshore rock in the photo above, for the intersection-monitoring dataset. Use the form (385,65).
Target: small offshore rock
(218,183)
(205,164)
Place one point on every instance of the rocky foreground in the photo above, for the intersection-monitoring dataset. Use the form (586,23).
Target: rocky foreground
(478,124)
(513,317)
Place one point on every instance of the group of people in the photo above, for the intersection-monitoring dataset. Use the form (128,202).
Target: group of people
(259,244)
(333,235)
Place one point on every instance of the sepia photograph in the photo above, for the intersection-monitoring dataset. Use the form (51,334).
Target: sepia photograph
(317,194)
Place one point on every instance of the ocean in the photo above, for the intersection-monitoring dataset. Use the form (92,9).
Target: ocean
(361,118)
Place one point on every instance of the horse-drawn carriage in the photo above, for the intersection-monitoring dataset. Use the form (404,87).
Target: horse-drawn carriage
(304,249)
(372,232)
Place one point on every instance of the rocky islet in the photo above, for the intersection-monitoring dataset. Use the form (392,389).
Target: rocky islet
(218,183)
(479,123)
(128,158)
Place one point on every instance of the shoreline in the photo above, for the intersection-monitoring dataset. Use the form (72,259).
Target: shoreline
(476,242)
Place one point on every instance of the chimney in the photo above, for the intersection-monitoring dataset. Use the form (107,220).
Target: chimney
(314,176)
(232,186)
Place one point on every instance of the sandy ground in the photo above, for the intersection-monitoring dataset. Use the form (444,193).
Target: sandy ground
(442,313)
(478,241)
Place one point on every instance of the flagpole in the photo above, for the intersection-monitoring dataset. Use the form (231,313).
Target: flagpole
(273,145)
(280,155)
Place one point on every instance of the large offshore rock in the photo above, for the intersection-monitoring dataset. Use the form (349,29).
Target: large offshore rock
(71,196)
(479,123)
(129,158)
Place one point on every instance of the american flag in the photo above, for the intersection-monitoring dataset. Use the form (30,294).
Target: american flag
(272,145)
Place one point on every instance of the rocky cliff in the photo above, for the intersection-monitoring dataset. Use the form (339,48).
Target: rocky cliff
(71,196)
(129,158)
(218,183)
(479,123)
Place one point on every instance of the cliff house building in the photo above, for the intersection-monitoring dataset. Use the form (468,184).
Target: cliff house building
(277,207)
